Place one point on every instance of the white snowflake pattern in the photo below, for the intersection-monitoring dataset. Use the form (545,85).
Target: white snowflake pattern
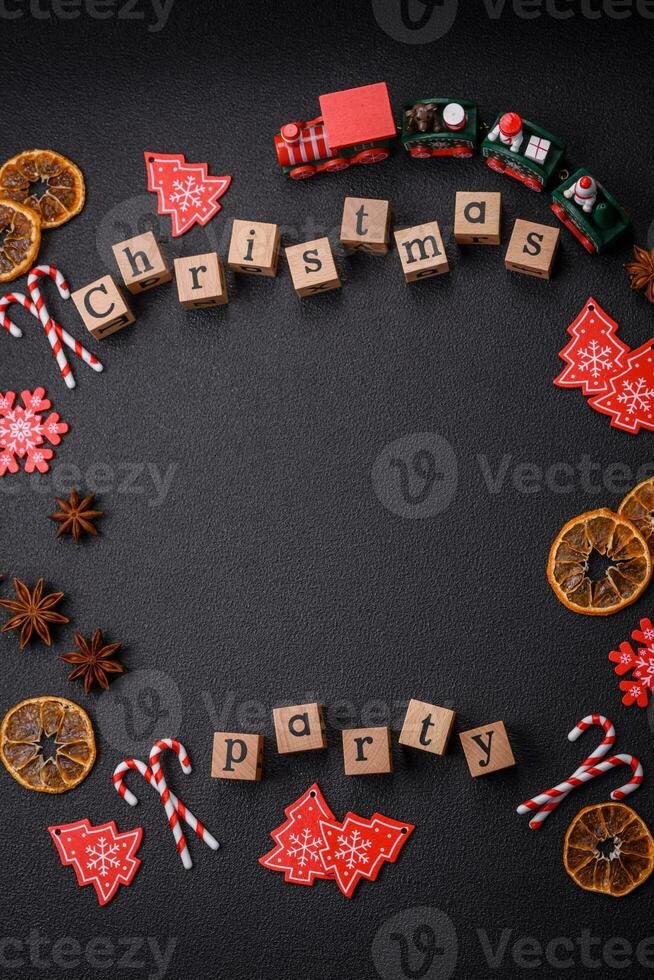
(353,849)
(644,670)
(188,193)
(103,857)
(23,431)
(648,634)
(595,359)
(636,396)
(304,847)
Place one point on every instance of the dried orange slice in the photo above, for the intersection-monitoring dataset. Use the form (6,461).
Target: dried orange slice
(604,539)
(638,506)
(45,181)
(47,744)
(608,849)
(20,239)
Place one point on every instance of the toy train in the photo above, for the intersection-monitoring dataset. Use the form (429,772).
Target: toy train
(357,126)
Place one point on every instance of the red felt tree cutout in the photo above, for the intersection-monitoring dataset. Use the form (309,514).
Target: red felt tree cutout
(298,840)
(23,431)
(594,354)
(357,848)
(640,663)
(630,396)
(100,856)
(184,190)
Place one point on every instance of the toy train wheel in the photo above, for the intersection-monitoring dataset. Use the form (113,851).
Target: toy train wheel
(420,152)
(462,152)
(301,173)
(562,216)
(496,164)
(532,184)
(333,166)
(371,156)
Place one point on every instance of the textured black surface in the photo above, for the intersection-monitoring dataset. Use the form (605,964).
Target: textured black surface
(270,571)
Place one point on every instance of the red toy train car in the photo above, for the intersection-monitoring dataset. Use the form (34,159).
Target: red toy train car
(355,126)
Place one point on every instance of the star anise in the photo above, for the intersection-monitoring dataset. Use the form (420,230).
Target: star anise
(76,516)
(641,271)
(94,660)
(33,612)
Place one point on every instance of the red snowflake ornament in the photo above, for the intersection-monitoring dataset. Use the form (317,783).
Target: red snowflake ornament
(299,840)
(357,848)
(639,663)
(184,190)
(630,397)
(594,354)
(101,856)
(23,432)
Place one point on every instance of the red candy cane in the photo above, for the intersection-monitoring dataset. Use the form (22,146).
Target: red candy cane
(553,797)
(545,803)
(185,762)
(54,332)
(173,806)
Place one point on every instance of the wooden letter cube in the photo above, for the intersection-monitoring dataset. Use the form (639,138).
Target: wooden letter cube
(421,251)
(532,249)
(237,756)
(300,728)
(312,267)
(427,727)
(367,751)
(477,217)
(366,224)
(487,749)
(141,263)
(254,247)
(102,307)
(200,281)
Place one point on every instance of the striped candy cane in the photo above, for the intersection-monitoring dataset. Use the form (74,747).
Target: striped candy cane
(171,813)
(7,301)
(157,772)
(55,333)
(550,800)
(174,807)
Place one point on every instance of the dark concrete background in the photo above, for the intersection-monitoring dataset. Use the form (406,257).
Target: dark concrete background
(267,570)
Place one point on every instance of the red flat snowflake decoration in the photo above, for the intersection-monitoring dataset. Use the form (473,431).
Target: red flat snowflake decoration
(640,663)
(100,856)
(184,190)
(23,431)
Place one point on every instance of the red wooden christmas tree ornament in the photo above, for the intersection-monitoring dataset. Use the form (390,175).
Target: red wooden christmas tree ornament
(100,856)
(298,840)
(595,354)
(184,190)
(357,848)
(630,396)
